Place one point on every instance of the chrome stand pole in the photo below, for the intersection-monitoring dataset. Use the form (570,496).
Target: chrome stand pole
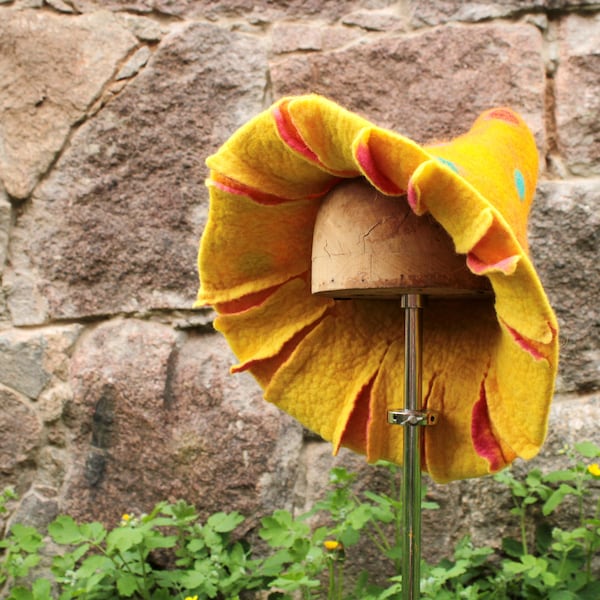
(412,418)
(411,481)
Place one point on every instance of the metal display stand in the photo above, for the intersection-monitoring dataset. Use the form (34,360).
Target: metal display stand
(412,417)
(370,246)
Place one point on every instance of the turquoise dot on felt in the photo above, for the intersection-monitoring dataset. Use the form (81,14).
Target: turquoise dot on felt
(520,184)
(448,163)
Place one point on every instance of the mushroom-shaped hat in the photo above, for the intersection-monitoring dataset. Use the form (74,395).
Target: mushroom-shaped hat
(337,365)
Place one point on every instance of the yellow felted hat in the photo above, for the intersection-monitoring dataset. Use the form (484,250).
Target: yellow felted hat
(336,366)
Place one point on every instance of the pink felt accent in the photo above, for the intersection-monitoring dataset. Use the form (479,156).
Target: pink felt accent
(239,189)
(479,267)
(484,441)
(523,342)
(504,114)
(290,135)
(379,180)
(412,197)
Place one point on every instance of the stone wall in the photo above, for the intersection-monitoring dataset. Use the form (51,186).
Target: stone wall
(114,394)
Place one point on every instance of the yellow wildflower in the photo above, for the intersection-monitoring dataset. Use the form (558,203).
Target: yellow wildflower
(126,519)
(191,597)
(332,545)
(594,469)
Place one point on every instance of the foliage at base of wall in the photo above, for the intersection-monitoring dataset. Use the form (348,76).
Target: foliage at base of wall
(304,560)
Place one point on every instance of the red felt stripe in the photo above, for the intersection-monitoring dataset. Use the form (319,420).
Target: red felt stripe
(528,345)
(289,134)
(484,441)
(504,114)
(231,186)
(480,267)
(369,166)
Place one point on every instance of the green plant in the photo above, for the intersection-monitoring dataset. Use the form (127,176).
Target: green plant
(349,515)
(309,561)
(19,550)
(560,565)
(207,562)
(545,562)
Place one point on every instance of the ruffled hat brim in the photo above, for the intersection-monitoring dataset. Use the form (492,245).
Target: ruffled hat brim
(489,367)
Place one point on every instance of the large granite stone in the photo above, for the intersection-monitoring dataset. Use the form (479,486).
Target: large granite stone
(436,12)
(565,236)
(31,360)
(21,362)
(577,98)
(431,85)
(52,70)
(255,11)
(20,437)
(115,227)
(157,416)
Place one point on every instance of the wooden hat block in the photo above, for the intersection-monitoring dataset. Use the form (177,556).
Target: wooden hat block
(368,245)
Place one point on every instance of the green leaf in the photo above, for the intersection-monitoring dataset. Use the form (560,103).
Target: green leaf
(193,580)
(182,511)
(280,530)
(340,476)
(27,537)
(590,592)
(224,522)
(127,584)
(96,563)
(562,475)
(123,538)
(20,593)
(93,532)
(513,567)
(64,530)
(359,517)
(562,595)
(195,545)
(557,497)
(349,536)
(41,589)
(290,582)
(588,449)
(273,565)
(512,547)
(160,541)
(549,579)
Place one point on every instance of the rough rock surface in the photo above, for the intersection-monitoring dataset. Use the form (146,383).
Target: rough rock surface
(404,82)
(569,276)
(115,225)
(577,98)
(156,415)
(20,436)
(40,99)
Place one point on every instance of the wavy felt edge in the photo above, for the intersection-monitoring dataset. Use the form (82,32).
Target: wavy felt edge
(513,277)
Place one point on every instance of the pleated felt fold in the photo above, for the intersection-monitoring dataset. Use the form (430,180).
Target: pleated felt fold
(337,366)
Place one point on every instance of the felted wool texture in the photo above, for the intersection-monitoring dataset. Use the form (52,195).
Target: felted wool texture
(337,366)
